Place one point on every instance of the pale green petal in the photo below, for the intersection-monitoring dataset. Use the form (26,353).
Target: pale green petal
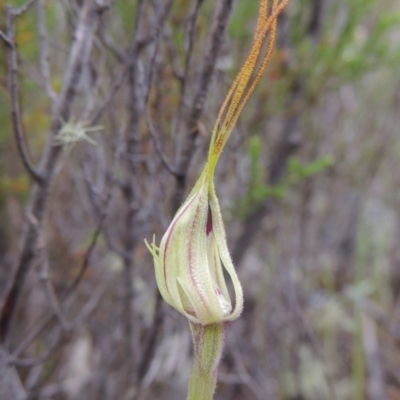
(215,266)
(195,271)
(188,265)
(158,270)
(220,236)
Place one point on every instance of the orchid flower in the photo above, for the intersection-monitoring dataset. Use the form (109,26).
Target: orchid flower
(193,253)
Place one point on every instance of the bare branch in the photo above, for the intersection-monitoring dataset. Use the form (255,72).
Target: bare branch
(245,377)
(92,246)
(5,38)
(117,84)
(10,384)
(132,194)
(56,334)
(219,24)
(101,211)
(79,54)
(102,215)
(31,361)
(157,144)
(381,317)
(15,102)
(50,293)
(21,10)
(124,58)
(153,131)
(44,52)
(90,305)
(372,350)
(150,345)
(191,28)
(107,41)
(86,310)
(80,50)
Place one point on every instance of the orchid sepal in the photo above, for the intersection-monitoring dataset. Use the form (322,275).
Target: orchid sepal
(190,260)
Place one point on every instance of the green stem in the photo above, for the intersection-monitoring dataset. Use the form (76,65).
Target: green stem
(208,344)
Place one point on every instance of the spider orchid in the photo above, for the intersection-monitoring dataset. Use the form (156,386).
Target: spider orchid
(193,253)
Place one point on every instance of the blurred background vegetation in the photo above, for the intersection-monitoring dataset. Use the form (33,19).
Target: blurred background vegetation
(308,184)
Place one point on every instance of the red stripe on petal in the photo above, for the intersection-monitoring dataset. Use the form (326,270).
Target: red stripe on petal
(192,277)
(169,237)
(209,225)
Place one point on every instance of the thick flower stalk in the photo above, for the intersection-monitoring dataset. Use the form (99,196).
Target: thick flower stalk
(193,253)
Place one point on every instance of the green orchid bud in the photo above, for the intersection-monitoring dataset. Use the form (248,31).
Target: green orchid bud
(189,263)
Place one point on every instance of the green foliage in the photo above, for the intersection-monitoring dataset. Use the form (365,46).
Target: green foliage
(244,13)
(354,39)
(125,8)
(297,172)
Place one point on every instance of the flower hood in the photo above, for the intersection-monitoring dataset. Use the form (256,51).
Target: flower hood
(192,256)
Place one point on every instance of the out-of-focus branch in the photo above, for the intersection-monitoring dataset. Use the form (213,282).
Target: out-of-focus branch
(381,317)
(96,234)
(15,102)
(10,384)
(314,26)
(117,84)
(215,39)
(149,349)
(191,29)
(49,289)
(5,38)
(155,136)
(136,106)
(132,196)
(376,382)
(107,41)
(55,339)
(22,9)
(51,345)
(44,52)
(80,50)
(57,307)
(86,310)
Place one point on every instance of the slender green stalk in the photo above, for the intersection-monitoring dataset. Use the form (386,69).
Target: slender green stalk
(208,344)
